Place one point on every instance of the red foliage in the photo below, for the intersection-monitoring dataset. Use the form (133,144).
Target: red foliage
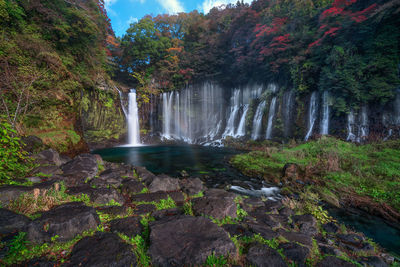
(275,27)
(332,31)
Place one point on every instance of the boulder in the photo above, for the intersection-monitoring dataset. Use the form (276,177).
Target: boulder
(374,261)
(131,187)
(187,241)
(250,204)
(297,237)
(330,227)
(104,196)
(162,214)
(164,184)
(47,170)
(293,251)
(332,261)
(265,231)
(50,157)
(237,229)
(113,210)
(66,221)
(32,143)
(11,222)
(11,193)
(82,167)
(144,175)
(149,197)
(263,256)
(191,186)
(144,209)
(217,203)
(101,250)
(129,226)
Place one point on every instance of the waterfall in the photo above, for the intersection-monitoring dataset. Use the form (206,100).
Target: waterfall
(167,116)
(241,131)
(325,113)
(132,117)
(233,111)
(257,121)
(397,108)
(363,124)
(312,114)
(350,126)
(288,98)
(271,115)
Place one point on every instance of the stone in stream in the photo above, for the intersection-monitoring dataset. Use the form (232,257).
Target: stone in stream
(66,221)
(293,251)
(82,167)
(101,250)
(164,184)
(187,241)
(217,203)
(332,261)
(191,186)
(11,222)
(263,256)
(129,226)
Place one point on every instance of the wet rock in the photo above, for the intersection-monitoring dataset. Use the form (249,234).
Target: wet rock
(149,197)
(263,256)
(216,203)
(144,209)
(129,226)
(131,187)
(330,227)
(187,241)
(161,214)
(191,186)
(103,196)
(66,221)
(328,250)
(332,261)
(102,250)
(144,175)
(351,239)
(297,237)
(250,204)
(164,184)
(178,197)
(293,251)
(49,156)
(286,211)
(374,261)
(265,231)
(80,189)
(113,210)
(47,170)
(12,192)
(307,219)
(272,206)
(82,167)
(11,222)
(237,229)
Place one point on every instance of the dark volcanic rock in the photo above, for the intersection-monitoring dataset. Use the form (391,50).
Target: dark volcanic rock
(237,229)
(187,241)
(129,226)
(81,167)
(164,184)
(66,221)
(331,261)
(39,262)
(286,211)
(144,175)
(265,231)
(49,156)
(297,237)
(191,186)
(149,197)
(295,252)
(307,219)
(102,250)
(113,210)
(47,170)
(250,204)
(12,192)
(105,195)
(216,203)
(131,187)
(263,256)
(161,214)
(374,261)
(330,227)
(11,222)
(145,208)
(178,197)
(32,143)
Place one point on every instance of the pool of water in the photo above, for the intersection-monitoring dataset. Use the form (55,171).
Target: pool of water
(209,163)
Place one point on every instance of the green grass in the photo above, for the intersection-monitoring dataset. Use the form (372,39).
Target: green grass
(369,170)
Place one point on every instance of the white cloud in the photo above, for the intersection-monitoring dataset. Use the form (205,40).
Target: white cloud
(132,20)
(140,1)
(209,4)
(171,6)
(109,3)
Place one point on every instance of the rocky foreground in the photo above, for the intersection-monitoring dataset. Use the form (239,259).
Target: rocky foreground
(86,212)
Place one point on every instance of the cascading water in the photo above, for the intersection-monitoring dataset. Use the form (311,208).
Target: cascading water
(257,121)
(397,108)
(271,115)
(312,114)
(325,113)
(132,117)
(241,131)
(363,124)
(233,111)
(350,126)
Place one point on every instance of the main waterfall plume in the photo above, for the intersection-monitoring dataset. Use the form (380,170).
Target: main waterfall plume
(132,117)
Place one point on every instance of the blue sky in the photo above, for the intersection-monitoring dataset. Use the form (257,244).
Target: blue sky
(124,12)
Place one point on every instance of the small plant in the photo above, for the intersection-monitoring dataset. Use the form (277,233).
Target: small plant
(18,245)
(241,213)
(112,202)
(187,208)
(139,247)
(165,204)
(216,261)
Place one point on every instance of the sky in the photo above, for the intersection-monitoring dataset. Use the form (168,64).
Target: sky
(124,12)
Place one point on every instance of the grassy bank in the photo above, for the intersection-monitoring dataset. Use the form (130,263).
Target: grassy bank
(337,167)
